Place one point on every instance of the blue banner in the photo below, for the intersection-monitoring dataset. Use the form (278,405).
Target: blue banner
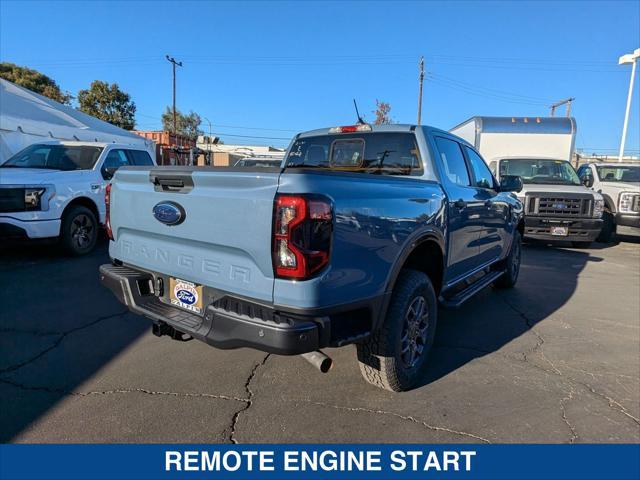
(322,462)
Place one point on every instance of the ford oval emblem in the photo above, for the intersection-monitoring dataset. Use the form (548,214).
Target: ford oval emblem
(169,213)
(186,296)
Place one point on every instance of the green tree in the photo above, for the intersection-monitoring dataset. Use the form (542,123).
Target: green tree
(382,113)
(107,102)
(186,125)
(34,81)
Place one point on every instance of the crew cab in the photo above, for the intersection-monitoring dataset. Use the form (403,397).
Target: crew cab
(619,185)
(56,189)
(557,206)
(354,239)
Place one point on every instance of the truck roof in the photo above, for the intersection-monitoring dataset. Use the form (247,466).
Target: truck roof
(486,124)
(392,127)
(615,164)
(76,143)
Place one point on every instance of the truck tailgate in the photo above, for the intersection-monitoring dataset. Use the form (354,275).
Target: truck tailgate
(224,238)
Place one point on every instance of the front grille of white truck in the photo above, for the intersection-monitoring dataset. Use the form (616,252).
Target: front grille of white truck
(549,206)
(12,200)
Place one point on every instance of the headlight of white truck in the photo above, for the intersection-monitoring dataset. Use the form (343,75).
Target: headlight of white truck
(598,208)
(32,198)
(629,202)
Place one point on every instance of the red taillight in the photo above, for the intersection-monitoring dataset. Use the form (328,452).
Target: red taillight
(302,228)
(363,127)
(107,202)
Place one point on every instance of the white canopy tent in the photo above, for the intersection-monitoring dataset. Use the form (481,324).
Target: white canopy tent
(27,118)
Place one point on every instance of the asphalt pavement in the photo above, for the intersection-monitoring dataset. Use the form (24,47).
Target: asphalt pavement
(557,359)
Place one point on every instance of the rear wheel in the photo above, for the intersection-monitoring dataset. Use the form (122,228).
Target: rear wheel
(512,264)
(608,227)
(79,231)
(395,356)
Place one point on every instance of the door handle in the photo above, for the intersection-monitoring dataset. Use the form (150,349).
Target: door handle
(460,204)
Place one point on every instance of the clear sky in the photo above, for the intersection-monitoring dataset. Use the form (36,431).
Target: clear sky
(281,67)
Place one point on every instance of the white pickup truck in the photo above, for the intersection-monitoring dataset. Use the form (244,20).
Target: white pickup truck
(619,184)
(56,189)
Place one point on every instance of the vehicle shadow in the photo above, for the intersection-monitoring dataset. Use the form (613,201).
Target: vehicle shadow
(617,240)
(548,279)
(58,327)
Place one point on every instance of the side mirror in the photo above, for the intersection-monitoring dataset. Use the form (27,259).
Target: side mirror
(109,172)
(587,181)
(510,183)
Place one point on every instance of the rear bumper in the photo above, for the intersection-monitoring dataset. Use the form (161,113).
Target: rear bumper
(628,224)
(11,227)
(229,322)
(580,229)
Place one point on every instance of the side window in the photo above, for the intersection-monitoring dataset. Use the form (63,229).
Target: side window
(454,165)
(115,159)
(584,171)
(140,158)
(481,172)
(493,166)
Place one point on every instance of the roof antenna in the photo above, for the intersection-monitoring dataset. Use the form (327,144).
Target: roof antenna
(360,120)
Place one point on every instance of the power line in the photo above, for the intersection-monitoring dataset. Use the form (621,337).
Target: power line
(512,63)
(227,134)
(261,128)
(486,93)
(490,91)
(242,127)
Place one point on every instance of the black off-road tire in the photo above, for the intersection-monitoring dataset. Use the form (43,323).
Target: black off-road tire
(608,228)
(79,231)
(381,358)
(511,264)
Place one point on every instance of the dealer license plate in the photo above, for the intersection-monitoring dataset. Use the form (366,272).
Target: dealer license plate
(185,295)
(560,231)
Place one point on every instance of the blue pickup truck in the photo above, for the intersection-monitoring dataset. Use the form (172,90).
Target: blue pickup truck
(354,239)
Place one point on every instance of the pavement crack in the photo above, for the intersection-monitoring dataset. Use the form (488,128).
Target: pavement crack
(60,391)
(540,339)
(408,418)
(563,401)
(613,404)
(62,336)
(248,401)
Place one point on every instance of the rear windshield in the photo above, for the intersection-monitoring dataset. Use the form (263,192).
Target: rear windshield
(381,153)
(57,157)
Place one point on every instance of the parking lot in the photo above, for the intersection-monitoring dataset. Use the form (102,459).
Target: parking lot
(557,359)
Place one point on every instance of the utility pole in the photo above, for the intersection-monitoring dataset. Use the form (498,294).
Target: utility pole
(421,65)
(208,139)
(566,101)
(174,63)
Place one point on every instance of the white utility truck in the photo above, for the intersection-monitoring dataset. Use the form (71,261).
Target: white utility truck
(538,149)
(57,189)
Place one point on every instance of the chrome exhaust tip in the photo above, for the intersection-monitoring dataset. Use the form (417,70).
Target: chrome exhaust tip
(318,360)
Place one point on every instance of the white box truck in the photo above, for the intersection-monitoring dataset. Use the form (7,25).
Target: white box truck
(539,149)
